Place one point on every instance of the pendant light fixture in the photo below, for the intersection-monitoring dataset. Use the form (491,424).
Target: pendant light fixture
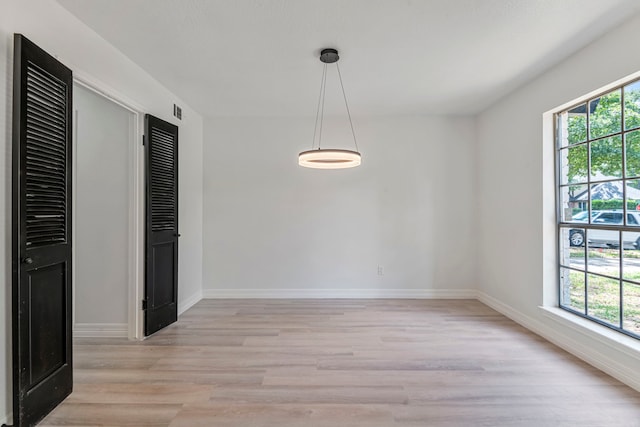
(329,158)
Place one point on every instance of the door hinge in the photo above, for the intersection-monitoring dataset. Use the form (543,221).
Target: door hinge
(144,304)
(144,140)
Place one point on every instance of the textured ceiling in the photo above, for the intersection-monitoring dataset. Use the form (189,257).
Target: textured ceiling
(398,57)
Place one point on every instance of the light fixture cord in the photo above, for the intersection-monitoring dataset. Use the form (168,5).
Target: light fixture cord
(347,105)
(324,95)
(320,97)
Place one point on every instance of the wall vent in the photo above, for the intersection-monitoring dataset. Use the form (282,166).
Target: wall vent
(177,112)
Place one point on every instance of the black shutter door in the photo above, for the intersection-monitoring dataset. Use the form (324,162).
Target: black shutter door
(161,278)
(41,260)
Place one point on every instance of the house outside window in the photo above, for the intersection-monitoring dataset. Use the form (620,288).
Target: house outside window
(598,208)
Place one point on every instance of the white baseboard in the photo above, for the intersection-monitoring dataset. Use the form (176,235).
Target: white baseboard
(621,372)
(189,302)
(339,293)
(100,330)
(8,420)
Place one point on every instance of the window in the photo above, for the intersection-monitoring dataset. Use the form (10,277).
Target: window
(598,205)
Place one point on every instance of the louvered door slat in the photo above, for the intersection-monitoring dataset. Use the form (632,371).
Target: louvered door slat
(43,100)
(39,122)
(41,81)
(163,188)
(43,76)
(45,160)
(166,184)
(42,139)
(164,168)
(55,117)
(35,188)
(36,155)
(42,165)
(164,161)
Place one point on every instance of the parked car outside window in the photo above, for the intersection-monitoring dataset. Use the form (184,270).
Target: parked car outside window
(606,238)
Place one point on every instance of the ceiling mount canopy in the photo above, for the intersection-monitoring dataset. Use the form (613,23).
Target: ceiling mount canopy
(329,158)
(329,56)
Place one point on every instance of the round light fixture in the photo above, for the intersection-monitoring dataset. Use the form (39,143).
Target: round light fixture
(329,158)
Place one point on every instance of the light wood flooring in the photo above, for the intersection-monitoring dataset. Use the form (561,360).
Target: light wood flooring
(340,363)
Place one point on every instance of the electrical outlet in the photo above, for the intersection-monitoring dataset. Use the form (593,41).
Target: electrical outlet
(380,270)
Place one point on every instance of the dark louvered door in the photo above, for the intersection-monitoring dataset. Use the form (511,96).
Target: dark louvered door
(42,370)
(161,281)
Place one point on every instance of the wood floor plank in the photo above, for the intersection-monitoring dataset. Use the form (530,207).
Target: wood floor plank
(348,363)
(134,376)
(315,415)
(140,393)
(239,361)
(107,414)
(402,364)
(311,395)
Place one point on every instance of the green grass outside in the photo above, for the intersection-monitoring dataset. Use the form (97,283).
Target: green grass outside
(604,299)
(603,253)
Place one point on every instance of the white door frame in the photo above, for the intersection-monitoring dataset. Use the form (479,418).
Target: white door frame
(135,273)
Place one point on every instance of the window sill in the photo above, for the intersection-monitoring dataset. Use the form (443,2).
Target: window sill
(628,345)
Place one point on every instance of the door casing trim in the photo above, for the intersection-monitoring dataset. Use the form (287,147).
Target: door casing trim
(135,273)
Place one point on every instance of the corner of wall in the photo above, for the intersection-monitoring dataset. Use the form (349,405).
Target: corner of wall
(189,302)
(475,202)
(572,343)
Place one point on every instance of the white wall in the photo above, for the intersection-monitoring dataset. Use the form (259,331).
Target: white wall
(275,229)
(516,246)
(61,34)
(190,209)
(102,186)
(5,220)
